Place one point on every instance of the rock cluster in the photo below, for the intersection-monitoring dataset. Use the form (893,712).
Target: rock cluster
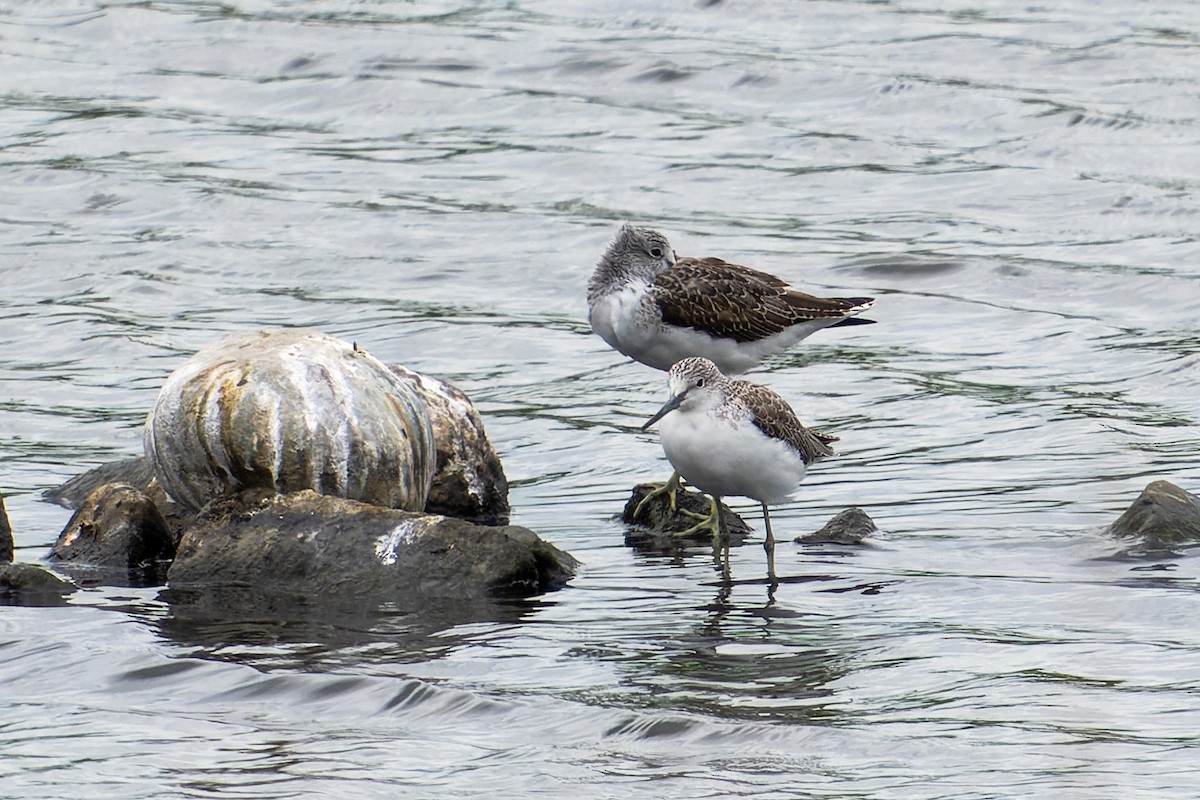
(656,524)
(300,465)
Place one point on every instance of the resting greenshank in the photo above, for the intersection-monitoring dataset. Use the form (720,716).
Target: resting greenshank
(657,308)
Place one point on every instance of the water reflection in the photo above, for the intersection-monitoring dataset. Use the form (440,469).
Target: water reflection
(733,644)
(270,632)
(738,661)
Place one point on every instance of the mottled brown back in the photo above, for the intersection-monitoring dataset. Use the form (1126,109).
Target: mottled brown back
(775,417)
(736,302)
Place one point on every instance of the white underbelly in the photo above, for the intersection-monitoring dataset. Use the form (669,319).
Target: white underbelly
(630,322)
(727,461)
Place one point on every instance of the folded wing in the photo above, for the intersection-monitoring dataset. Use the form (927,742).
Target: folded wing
(740,303)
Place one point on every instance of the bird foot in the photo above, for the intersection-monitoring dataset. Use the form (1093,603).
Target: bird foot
(670,489)
(710,522)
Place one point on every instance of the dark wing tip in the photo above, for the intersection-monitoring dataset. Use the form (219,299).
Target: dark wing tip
(852,321)
(825,438)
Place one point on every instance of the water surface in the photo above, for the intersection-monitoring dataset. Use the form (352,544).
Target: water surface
(1017,186)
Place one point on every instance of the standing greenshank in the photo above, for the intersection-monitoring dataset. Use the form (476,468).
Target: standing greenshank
(733,437)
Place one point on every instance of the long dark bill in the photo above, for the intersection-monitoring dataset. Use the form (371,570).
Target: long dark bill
(667,408)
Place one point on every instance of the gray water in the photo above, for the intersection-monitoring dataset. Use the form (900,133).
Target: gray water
(1018,185)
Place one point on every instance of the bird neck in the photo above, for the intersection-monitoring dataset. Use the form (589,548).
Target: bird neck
(613,272)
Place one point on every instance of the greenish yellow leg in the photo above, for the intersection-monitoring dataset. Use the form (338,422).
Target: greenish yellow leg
(670,489)
(769,546)
(711,523)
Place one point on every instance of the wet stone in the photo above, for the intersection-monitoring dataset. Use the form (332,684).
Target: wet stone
(285,410)
(468,482)
(1163,517)
(117,534)
(310,546)
(850,526)
(6,538)
(658,526)
(32,585)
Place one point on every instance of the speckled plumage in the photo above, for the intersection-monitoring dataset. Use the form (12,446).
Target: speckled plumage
(774,417)
(657,308)
(729,300)
(731,437)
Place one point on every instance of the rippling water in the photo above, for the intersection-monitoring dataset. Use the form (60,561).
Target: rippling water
(1018,185)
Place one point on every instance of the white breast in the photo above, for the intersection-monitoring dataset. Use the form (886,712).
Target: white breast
(730,457)
(629,321)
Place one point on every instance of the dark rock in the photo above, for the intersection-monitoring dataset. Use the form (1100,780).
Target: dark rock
(1163,517)
(134,471)
(31,585)
(849,526)
(117,530)
(6,540)
(468,480)
(661,527)
(309,545)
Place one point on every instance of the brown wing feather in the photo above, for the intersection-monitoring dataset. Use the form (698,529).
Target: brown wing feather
(736,302)
(775,417)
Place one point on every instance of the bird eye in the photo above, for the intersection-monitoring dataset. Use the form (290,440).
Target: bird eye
(700,383)
(656,252)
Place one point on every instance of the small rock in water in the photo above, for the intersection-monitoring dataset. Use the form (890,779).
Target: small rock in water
(6,540)
(117,528)
(849,526)
(1163,517)
(31,585)
(660,520)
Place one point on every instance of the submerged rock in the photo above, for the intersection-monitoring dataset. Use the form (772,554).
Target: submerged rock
(6,539)
(468,480)
(849,526)
(1163,517)
(286,410)
(117,532)
(661,526)
(31,585)
(308,545)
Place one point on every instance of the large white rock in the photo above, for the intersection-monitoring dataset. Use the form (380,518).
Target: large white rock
(287,410)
